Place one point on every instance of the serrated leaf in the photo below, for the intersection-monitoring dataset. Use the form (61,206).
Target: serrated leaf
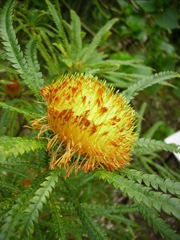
(96,40)
(14,146)
(157,223)
(156,182)
(56,15)
(31,213)
(141,194)
(33,65)
(76,40)
(148,145)
(13,51)
(133,90)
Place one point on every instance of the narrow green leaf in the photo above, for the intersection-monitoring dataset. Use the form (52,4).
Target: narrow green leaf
(94,231)
(133,90)
(56,15)
(13,216)
(33,65)
(100,209)
(147,145)
(76,39)
(18,110)
(158,223)
(153,180)
(141,114)
(97,38)
(141,194)
(12,48)
(60,225)
(14,146)
(31,213)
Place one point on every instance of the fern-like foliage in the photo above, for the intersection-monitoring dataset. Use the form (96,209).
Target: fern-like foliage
(158,224)
(14,54)
(93,230)
(141,194)
(25,112)
(74,54)
(7,184)
(97,38)
(76,39)
(133,90)
(33,65)
(57,17)
(14,146)
(116,213)
(60,223)
(152,180)
(13,217)
(40,197)
(147,145)
(102,210)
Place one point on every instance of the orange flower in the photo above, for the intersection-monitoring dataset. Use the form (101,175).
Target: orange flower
(92,126)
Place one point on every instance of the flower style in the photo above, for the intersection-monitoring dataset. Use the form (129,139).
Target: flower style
(92,126)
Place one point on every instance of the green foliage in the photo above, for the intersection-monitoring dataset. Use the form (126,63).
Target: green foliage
(39,203)
(15,55)
(153,180)
(145,145)
(74,55)
(92,229)
(157,223)
(146,82)
(31,213)
(12,216)
(147,29)
(13,146)
(57,217)
(27,207)
(141,194)
(18,110)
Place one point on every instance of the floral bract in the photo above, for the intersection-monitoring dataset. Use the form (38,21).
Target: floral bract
(92,126)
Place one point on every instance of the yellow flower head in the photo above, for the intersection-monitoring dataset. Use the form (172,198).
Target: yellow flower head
(92,126)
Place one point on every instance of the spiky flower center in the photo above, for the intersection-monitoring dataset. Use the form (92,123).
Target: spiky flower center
(90,122)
